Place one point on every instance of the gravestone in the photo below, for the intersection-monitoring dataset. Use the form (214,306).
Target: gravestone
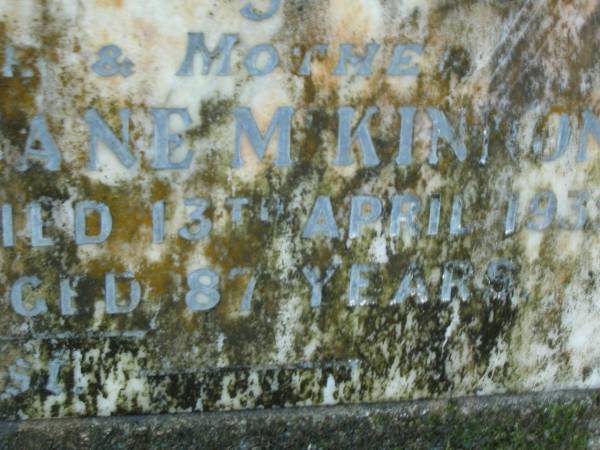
(220,206)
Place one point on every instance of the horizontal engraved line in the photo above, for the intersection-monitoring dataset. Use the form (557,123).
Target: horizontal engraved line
(315,365)
(133,334)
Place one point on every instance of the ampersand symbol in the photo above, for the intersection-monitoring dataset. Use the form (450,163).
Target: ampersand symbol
(249,12)
(108,63)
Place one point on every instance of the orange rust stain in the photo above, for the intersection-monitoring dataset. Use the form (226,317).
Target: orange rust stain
(110,3)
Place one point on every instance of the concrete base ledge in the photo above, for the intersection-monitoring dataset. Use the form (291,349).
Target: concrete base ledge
(564,419)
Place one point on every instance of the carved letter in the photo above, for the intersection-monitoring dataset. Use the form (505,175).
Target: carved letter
(245,123)
(249,11)
(441,128)
(47,152)
(591,125)
(99,129)
(357,284)
(37,227)
(400,65)
(455,276)
(203,282)
(405,210)
(165,141)
(364,210)
(456,226)
(81,210)
(113,306)
(196,44)
(542,211)
(412,285)
(362,63)
(203,226)
(313,276)
(406,135)
(158,222)
(16,298)
(8,236)
(251,60)
(321,221)
(562,139)
(346,138)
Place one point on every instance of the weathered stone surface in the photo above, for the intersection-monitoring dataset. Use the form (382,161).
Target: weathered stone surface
(518,84)
(566,420)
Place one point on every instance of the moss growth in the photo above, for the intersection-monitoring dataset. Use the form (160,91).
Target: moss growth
(557,425)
